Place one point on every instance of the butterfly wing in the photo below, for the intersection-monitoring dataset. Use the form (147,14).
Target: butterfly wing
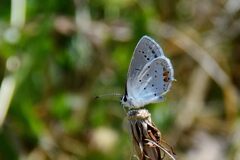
(146,50)
(150,73)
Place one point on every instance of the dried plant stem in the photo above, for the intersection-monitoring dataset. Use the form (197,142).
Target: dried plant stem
(7,89)
(147,138)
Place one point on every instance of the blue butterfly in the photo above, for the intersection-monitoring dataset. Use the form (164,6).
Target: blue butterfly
(150,75)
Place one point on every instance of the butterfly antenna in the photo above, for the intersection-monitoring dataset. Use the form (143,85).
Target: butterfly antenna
(110,94)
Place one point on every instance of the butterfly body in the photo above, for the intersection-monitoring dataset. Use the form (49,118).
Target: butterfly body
(150,75)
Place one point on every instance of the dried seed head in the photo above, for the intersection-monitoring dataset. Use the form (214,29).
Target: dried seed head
(146,137)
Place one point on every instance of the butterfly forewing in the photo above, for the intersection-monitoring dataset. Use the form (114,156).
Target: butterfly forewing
(146,50)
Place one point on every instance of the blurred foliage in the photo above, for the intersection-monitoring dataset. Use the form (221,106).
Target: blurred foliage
(60,54)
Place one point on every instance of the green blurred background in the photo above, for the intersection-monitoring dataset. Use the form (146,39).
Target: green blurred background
(56,56)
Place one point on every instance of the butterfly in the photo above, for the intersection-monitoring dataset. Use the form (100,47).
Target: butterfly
(150,75)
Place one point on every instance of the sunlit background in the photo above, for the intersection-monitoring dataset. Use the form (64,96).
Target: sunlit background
(56,56)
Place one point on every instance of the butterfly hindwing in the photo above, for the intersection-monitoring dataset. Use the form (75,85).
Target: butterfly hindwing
(153,81)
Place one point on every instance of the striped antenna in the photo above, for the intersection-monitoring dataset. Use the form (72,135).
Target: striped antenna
(109,94)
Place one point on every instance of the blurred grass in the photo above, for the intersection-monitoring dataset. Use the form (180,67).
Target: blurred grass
(67,52)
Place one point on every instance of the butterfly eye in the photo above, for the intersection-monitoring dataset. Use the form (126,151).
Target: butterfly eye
(125,99)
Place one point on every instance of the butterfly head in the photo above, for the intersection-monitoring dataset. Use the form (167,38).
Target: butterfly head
(127,101)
